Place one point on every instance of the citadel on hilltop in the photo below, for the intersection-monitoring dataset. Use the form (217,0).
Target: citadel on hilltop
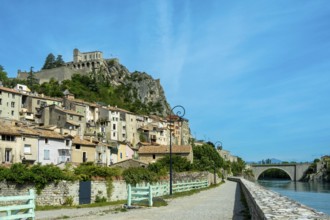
(87,60)
(83,63)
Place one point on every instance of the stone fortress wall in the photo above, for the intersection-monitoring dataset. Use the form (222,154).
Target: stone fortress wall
(87,60)
(83,63)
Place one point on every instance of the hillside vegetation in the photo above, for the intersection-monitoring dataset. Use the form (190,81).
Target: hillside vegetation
(114,85)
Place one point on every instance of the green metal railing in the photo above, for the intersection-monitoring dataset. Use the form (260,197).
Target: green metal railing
(22,211)
(140,193)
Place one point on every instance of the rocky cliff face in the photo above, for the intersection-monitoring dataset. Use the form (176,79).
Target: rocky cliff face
(138,87)
(141,86)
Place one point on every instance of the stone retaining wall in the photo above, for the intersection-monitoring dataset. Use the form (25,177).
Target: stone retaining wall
(266,204)
(59,194)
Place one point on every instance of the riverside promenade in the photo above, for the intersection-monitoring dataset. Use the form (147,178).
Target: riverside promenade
(222,202)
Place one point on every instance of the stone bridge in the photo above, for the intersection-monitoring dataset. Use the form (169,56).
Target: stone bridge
(295,171)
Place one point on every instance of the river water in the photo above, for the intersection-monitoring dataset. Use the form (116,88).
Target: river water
(313,194)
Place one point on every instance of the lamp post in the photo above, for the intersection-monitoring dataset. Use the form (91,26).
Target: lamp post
(180,112)
(214,175)
(216,146)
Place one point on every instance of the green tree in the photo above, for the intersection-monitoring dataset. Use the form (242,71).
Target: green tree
(49,62)
(162,166)
(207,158)
(3,75)
(32,82)
(59,61)
(238,167)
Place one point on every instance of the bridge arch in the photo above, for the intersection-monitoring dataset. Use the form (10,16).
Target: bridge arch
(278,168)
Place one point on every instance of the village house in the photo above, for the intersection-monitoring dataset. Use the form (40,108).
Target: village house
(225,154)
(89,110)
(53,148)
(22,144)
(32,103)
(17,143)
(82,151)
(69,121)
(150,154)
(10,103)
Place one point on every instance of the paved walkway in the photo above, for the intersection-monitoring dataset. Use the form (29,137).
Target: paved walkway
(221,203)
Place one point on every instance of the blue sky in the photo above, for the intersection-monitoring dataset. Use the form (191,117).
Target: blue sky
(251,74)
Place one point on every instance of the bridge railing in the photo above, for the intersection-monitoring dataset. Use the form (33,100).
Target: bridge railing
(20,211)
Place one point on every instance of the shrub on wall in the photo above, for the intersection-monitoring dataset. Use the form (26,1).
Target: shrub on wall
(37,174)
(88,170)
(136,175)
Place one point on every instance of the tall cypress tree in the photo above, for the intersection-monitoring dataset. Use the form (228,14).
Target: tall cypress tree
(50,62)
(59,61)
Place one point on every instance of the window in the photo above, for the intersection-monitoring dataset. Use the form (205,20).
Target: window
(38,102)
(84,157)
(123,135)
(12,113)
(27,149)
(121,155)
(46,154)
(67,142)
(8,155)
(13,104)
(7,138)
(46,140)
(13,96)
(0,101)
(154,156)
(59,117)
(114,134)
(114,126)
(78,146)
(71,117)
(80,118)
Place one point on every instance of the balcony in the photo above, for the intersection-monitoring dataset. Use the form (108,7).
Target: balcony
(63,159)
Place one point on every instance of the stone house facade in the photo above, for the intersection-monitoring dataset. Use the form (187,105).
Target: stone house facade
(10,103)
(150,154)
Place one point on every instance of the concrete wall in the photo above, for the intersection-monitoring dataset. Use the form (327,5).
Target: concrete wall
(266,204)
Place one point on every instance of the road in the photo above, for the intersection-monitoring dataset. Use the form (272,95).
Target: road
(221,203)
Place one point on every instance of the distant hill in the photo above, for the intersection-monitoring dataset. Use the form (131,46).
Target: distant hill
(266,161)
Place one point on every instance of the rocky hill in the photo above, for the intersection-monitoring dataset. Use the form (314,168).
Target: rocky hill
(141,86)
(136,87)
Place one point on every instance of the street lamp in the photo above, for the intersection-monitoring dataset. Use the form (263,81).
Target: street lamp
(180,112)
(215,146)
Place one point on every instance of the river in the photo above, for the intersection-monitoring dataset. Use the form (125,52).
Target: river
(313,194)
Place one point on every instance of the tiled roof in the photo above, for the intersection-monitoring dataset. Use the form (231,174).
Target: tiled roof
(21,130)
(78,140)
(68,111)
(48,134)
(9,90)
(164,149)
(73,122)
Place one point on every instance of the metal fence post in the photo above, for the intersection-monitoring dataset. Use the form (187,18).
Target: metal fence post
(32,203)
(129,195)
(150,196)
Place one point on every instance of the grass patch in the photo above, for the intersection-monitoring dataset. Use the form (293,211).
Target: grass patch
(157,202)
(63,217)
(191,192)
(100,204)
